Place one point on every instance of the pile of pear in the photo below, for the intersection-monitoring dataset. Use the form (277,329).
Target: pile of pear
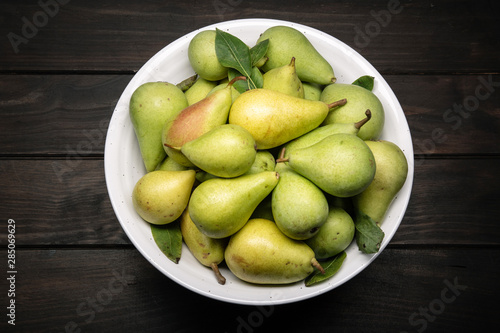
(269,180)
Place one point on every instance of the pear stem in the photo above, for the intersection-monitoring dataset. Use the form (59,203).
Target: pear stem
(236,79)
(282,158)
(221,279)
(317,265)
(337,103)
(360,123)
(170,146)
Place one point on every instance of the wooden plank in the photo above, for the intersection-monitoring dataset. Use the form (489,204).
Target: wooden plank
(395,36)
(68,115)
(449,197)
(58,115)
(58,202)
(453,202)
(451,114)
(441,290)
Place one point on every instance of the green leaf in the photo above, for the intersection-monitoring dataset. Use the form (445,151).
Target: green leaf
(369,236)
(366,82)
(258,51)
(240,85)
(331,266)
(187,83)
(168,237)
(243,85)
(257,79)
(233,53)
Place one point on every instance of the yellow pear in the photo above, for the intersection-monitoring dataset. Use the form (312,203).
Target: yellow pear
(260,253)
(161,196)
(208,251)
(274,118)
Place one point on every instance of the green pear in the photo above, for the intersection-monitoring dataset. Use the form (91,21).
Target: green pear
(344,203)
(196,120)
(208,251)
(274,118)
(287,42)
(264,161)
(322,132)
(225,151)
(160,197)
(234,93)
(261,62)
(153,104)
(221,206)
(199,90)
(284,79)
(299,207)
(334,236)
(340,164)
(169,164)
(360,99)
(312,91)
(202,176)
(260,253)
(203,58)
(390,176)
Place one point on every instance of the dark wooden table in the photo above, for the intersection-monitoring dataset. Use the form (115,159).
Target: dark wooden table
(64,65)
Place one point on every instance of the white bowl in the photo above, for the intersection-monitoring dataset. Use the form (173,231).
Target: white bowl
(123,167)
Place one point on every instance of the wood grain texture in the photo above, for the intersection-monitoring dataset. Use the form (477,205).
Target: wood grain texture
(64,115)
(68,115)
(78,271)
(56,202)
(395,36)
(450,114)
(118,290)
(453,201)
